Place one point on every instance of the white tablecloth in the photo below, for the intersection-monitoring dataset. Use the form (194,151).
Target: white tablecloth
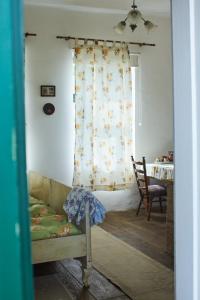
(160,171)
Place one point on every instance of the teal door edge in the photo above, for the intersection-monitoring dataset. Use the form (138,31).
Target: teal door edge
(15,254)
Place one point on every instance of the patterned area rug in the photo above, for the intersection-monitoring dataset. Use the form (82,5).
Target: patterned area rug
(139,276)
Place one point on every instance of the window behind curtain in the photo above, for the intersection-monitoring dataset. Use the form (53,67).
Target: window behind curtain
(104,117)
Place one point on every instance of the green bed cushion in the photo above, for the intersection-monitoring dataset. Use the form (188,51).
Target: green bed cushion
(40,232)
(45,223)
(49,220)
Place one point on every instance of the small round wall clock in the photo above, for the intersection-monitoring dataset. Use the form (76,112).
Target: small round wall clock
(48,108)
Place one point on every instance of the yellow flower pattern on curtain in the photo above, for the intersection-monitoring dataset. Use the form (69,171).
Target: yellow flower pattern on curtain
(104,116)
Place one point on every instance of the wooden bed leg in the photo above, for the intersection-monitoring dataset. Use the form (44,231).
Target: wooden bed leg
(85,276)
(88,259)
(86,269)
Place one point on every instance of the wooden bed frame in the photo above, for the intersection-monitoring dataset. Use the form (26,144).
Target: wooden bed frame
(77,246)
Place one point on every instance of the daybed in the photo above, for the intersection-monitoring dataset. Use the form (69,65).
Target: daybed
(53,238)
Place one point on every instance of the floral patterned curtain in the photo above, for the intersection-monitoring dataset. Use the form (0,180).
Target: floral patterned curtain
(104,117)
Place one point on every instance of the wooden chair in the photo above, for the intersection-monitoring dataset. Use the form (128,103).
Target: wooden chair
(148,193)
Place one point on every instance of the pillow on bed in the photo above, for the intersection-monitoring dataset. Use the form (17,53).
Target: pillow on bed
(40,210)
(33,201)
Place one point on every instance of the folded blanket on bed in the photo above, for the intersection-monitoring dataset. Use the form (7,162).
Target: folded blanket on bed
(75,206)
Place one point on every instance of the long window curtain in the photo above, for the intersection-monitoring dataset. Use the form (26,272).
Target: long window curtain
(104,114)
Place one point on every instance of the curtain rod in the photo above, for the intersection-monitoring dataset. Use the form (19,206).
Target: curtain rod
(30,34)
(99,40)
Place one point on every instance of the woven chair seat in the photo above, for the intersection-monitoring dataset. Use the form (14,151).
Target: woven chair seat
(156,189)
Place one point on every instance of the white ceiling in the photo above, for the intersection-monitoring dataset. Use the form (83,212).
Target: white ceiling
(157,7)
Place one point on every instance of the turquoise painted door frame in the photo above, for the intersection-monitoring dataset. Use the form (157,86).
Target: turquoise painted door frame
(15,254)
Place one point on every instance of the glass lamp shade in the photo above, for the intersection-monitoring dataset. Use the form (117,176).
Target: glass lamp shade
(134,16)
(120,27)
(149,25)
(133,27)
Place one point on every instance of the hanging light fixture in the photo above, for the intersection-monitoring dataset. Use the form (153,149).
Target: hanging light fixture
(133,17)
(120,27)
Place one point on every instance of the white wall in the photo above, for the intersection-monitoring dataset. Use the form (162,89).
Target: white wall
(50,139)
(186,50)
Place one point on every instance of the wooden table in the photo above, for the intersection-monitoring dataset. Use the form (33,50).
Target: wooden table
(165,173)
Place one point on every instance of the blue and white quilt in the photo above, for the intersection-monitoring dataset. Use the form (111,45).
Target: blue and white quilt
(75,206)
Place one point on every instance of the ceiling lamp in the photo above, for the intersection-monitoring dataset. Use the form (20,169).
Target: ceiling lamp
(133,17)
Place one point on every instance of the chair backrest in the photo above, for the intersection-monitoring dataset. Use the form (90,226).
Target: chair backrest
(139,168)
